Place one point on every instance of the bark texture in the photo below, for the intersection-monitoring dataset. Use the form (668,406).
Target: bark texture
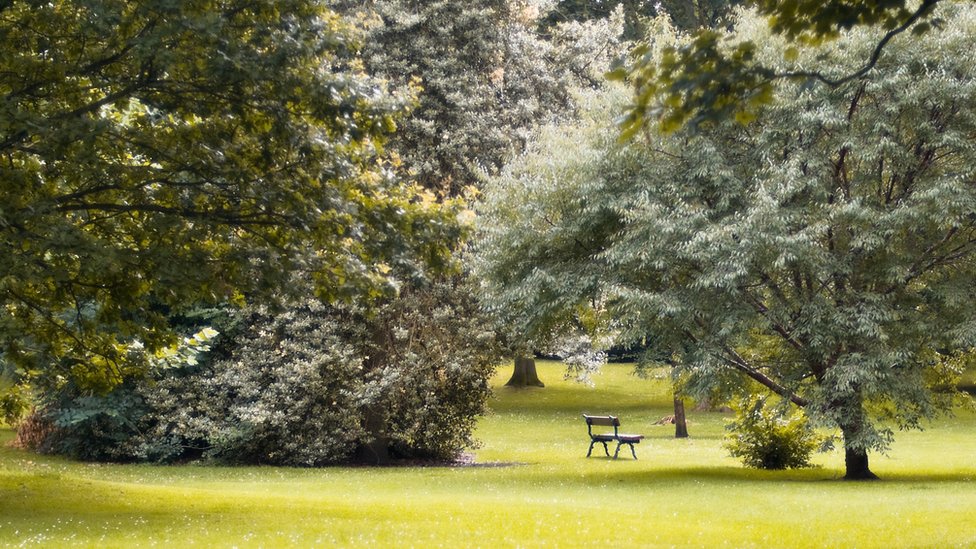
(525,374)
(855,457)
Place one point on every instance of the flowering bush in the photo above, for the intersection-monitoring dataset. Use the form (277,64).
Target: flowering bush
(307,386)
(283,395)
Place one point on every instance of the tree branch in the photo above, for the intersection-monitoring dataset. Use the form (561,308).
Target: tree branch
(922,10)
(777,326)
(741,364)
(226,216)
(738,362)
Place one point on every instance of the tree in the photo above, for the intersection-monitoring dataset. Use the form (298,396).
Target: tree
(159,154)
(711,77)
(824,251)
(484,78)
(525,373)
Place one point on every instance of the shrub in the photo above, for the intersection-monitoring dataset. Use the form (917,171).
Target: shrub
(93,427)
(284,395)
(77,422)
(433,354)
(33,431)
(306,386)
(767,437)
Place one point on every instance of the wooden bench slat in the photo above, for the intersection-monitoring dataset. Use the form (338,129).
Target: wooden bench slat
(608,421)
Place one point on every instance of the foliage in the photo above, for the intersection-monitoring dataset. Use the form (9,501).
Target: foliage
(87,427)
(286,394)
(686,14)
(521,228)
(159,155)
(441,350)
(15,394)
(582,358)
(765,437)
(299,386)
(77,422)
(485,79)
(823,250)
(710,77)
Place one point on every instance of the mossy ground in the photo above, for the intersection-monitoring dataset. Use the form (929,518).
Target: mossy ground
(530,486)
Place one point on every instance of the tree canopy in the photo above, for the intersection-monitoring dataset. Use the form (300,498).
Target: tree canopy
(686,14)
(483,76)
(824,250)
(712,76)
(159,154)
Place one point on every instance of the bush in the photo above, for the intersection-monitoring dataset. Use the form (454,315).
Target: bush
(433,354)
(307,386)
(284,396)
(77,422)
(768,438)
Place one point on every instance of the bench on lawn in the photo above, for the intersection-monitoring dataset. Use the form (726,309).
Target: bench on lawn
(604,438)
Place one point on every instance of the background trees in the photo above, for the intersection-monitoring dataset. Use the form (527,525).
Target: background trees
(483,78)
(823,251)
(159,154)
(687,15)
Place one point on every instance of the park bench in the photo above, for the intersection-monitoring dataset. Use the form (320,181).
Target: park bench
(604,438)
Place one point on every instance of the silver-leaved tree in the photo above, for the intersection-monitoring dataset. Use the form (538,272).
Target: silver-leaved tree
(824,250)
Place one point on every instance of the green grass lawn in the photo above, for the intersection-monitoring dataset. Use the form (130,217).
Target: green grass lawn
(531,486)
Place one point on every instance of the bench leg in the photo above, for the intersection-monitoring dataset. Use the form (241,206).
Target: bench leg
(605,449)
(616,453)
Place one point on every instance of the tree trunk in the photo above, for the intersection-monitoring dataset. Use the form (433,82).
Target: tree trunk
(855,457)
(375,449)
(525,374)
(680,425)
(856,463)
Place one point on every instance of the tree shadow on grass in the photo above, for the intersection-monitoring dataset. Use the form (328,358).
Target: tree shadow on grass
(565,399)
(726,476)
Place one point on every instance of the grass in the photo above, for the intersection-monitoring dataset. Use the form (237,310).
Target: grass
(531,487)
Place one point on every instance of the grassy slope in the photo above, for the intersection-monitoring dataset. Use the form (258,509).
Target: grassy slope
(533,488)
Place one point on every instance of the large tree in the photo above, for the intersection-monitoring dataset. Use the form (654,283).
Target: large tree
(158,154)
(484,78)
(824,250)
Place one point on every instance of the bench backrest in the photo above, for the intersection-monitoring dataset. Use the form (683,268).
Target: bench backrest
(609,421)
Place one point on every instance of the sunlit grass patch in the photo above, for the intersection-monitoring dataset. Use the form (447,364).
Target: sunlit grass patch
(534,487)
